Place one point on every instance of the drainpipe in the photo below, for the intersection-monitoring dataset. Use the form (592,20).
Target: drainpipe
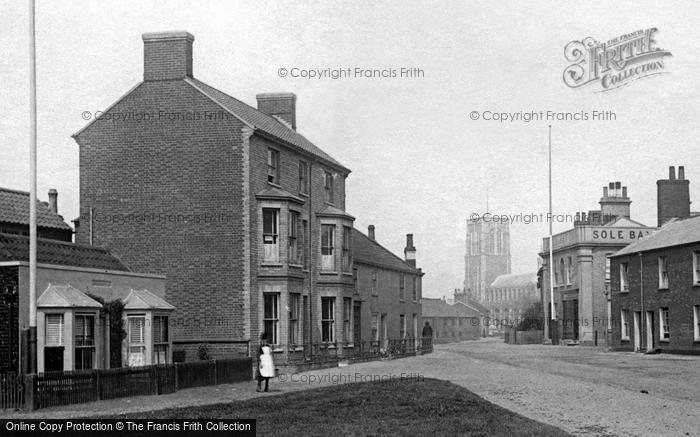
(643,315)
(310,258)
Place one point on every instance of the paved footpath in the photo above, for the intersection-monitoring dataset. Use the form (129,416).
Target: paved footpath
(584,391)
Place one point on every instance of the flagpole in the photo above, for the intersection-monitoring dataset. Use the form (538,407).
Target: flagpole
(551,255)
(32,355)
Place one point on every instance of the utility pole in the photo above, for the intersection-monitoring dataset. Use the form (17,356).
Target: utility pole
(32,353)
(553,318)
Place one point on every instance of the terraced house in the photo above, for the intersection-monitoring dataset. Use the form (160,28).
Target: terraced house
(243,214)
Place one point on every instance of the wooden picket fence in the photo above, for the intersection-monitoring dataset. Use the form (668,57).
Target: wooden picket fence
(52,389)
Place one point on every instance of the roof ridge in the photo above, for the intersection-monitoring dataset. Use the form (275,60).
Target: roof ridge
(12,190)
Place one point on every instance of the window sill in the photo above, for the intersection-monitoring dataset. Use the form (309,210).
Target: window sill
(304,194)
(298,266)
(277,350)
(665,340)
(329,203)
(625,340)
(347,273)
(663,288)
(271,264)
(328,272)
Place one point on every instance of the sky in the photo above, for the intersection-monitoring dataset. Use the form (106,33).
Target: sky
(420,163)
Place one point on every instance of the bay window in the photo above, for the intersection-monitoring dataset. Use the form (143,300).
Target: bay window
(271,316)
(328,319)
(84,333)
(271,251)
(327,249)
(161,340)
(137,341)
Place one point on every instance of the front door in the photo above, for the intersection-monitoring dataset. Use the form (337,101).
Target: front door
(650,330)
(570,328)
(637,330)
(383,333)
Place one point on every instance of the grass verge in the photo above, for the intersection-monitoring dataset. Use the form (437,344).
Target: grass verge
(397,407)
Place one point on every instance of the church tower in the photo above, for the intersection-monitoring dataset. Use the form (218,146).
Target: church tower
(488,255)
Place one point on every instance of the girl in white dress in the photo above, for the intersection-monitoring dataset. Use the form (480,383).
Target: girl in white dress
(266,365)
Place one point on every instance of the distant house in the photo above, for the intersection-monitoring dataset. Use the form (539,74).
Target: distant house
(74,283)
(451,323)
(14,216)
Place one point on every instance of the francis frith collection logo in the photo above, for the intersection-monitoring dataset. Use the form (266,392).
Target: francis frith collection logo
(616,62)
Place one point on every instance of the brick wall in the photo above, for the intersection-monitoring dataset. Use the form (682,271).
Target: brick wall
(9,326)
(166,197)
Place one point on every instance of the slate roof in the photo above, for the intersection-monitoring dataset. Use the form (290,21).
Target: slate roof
(16,248)
(674,233)
(515,281)
(65,296)
(14,208)
(263,122)
(439,308)
(368,251)
(145,300)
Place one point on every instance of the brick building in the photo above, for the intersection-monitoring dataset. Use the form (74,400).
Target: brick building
(582,267)
(244,215)
(388,305)
(656,281)
(451,323)
(488,256)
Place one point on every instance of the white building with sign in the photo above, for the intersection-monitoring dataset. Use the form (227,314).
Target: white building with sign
(581,260)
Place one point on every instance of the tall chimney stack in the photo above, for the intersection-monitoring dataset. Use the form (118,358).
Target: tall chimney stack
(167,55)
(370,232)
(672,196)
(279,105)
(614,203)
(53,200)
(410,251)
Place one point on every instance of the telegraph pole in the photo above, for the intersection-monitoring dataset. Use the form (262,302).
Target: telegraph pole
(553,318)
(32,353)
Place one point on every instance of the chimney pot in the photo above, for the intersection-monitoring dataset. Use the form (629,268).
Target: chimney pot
(605,191)
(53,200)
(681,173)
(167,55)
(624,191)
(672,173)
(370,232)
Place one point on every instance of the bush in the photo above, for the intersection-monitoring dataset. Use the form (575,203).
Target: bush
(203,352)
(533,319)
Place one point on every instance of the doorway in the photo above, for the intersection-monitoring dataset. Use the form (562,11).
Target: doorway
(356,322)
(650,330)
(383,333)
(570,328)
(637,331)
